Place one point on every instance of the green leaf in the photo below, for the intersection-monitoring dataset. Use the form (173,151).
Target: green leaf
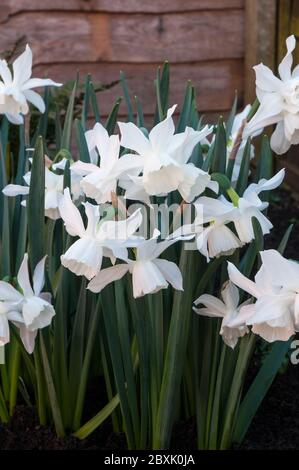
(85,106)
(112,118)
(98,419)
(81,142)
(232,115)
(218,164)
(94,103)
(68,121)
(244,169)
(36,205)
(128,101)
(186,110)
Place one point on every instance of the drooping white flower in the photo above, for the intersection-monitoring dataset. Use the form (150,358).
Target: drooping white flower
(53,189)
(29,309)
(165,158)
(273,316)
(98,239)
(279,102)
(149,273)
(99,182)
(228,308)
(250,205)
(212,235)
(17,89)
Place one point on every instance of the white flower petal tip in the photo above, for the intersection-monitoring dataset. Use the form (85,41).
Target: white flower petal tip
(16,89)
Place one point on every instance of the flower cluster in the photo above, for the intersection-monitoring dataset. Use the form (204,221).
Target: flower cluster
(27,307)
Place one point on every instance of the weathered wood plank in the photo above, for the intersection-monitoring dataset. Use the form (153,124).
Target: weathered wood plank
(260,34)
(215,82)
(12,7)
(81,37)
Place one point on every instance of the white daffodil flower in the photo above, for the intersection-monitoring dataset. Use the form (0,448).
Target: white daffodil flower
(100,182)
(53,189)
(165,158)
(149,274)
(16,89)
(250,205)
(29,309)
(228,308)
(98,239)
(212,236)
(272,316)
(279,102)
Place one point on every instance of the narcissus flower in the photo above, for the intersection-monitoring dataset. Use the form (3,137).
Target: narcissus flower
(99,182)
(213,237)
(279,102)
(149,273)
(228,308)
(16,89)
(100,237)
(165,158)
(29,309)
(274,316)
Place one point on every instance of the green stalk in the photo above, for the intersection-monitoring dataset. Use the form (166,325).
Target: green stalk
(14,375)
(85,369)
(245,351)
(175,354)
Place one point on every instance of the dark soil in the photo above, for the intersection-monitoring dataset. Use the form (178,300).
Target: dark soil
(276,425)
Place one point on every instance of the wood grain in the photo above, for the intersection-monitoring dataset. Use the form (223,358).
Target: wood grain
(215,82)
(13,7)
(90,37)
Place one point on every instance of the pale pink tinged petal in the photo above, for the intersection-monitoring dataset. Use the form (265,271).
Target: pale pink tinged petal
(230,296)
(71,215)
(23,277)
(15,190)
(35,99)
(147,278)
(215,307)
(265,79)
(52,199)
(285,66)
(171,272)
(162,133)
(5,73)
(4,330)
(241,281)
(291,124)
(22,67)
(28,337)
(83,258)
(280,271)
(15,315)
(39,276)
(106,276)
(270,334)
(279,143)
(296,311)
(8,293)
(133,138)
(39,82)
